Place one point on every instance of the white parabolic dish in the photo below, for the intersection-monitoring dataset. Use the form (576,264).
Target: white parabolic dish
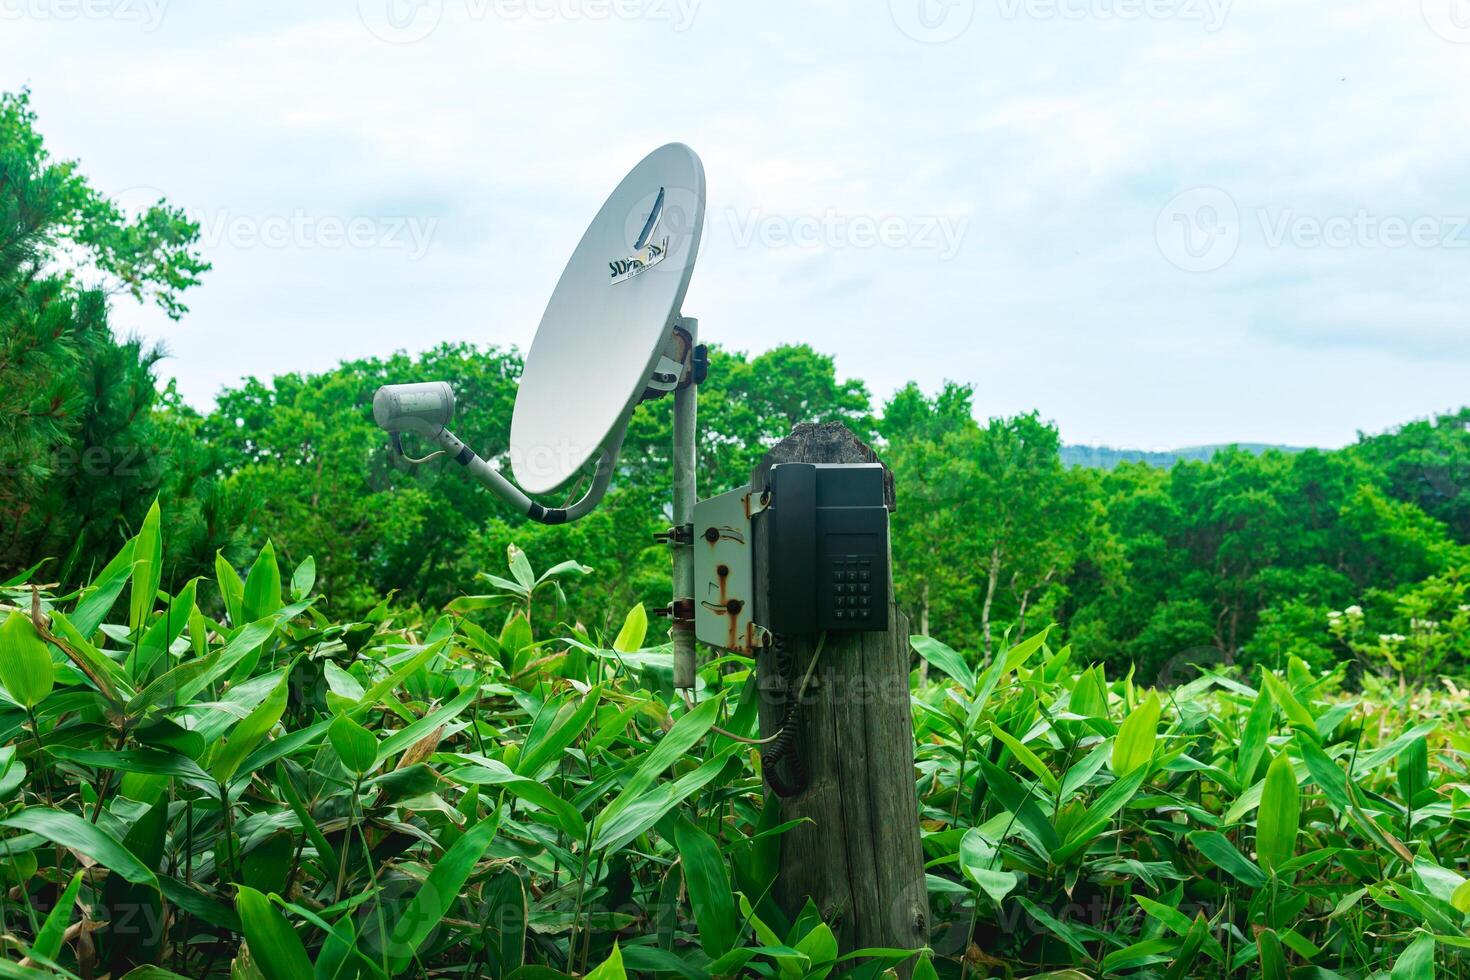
(609,319)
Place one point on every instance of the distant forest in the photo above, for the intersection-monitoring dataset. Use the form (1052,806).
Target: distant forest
(1107,457)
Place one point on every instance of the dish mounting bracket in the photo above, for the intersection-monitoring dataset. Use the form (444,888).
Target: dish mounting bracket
(680,364)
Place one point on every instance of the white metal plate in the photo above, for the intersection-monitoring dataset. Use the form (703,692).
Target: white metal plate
(609,320)
(724,572)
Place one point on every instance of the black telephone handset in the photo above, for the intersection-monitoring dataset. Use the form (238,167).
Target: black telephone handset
(828,546)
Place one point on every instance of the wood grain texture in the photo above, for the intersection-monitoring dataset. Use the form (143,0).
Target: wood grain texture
(859,858)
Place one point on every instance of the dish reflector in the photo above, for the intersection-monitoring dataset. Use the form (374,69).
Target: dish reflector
(609,320)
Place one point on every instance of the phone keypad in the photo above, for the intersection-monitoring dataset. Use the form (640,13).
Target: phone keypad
(852,589)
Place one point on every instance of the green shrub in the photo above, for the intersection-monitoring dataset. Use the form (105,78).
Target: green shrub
(456,795)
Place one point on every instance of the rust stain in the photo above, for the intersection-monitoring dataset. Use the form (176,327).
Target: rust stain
(714,535)
(745,502)
(730,607)
(723,571)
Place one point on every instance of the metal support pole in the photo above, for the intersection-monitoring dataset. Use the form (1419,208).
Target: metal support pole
(682,632)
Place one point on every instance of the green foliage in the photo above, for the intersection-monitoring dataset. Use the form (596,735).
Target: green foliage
(356,747)
(1417,633)
(275,949)
(439,892)
(990,523)
(153,255)
(1237,558)
(147,568)
(71,831)
(351,794)
(49,938)
(247,733)
(86,440)
(25,664)
(1342,857)
(1279,815)
(1242,560)
(357,794)
(307,450)
(1427,463)
(1136,736)
(708,882)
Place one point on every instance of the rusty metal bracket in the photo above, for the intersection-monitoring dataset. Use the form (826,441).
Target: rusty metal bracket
(680,610)
(698,367)
(682,534)
(724,572)
(681,364)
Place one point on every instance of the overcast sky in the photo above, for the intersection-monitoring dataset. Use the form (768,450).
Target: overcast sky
(1159,222)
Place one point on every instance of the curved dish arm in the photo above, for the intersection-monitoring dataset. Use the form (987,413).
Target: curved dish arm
(492,478)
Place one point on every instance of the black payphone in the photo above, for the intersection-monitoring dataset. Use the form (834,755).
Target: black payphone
(826,527)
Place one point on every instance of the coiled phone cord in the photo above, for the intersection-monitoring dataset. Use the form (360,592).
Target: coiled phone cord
(785,746)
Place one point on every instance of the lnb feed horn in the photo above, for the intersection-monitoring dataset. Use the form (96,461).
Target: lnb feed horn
(425,409)
(422,408)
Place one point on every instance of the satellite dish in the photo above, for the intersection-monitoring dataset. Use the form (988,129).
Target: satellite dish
(609,321)
(612,335)
(606,341)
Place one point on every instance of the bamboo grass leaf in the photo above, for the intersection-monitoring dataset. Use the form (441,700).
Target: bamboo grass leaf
(274,946)
(1279,817)
(439,892)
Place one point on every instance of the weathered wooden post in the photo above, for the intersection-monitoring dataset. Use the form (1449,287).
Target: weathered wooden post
(858,858)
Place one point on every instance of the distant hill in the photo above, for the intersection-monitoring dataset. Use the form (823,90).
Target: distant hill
(1106,457)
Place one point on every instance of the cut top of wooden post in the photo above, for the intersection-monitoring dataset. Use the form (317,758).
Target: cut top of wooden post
(824,442)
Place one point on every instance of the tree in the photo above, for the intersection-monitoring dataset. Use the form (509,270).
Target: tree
(1246,553)
(82,452)
(1028,512)
(1236,556)
(990,524)
(154,255)
(933,552)
(1426,463)
(307,450)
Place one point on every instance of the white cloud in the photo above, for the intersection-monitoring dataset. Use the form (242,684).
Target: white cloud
(1056,139)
